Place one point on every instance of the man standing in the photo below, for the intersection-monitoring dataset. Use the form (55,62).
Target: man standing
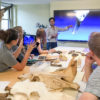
(51,33)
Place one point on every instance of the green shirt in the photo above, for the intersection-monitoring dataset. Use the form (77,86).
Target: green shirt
(6,58)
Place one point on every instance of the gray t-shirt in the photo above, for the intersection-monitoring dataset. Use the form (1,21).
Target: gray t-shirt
(6,58)
(93,84)
(21,55)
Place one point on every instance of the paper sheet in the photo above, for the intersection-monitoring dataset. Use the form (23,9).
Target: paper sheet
(3,85)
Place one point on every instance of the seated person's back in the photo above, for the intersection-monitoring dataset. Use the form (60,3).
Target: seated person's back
(40,36)
(14,48)
(7,58)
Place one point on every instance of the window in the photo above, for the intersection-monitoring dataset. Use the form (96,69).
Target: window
(5,23)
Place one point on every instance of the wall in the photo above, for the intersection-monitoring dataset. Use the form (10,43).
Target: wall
(73,44)
(73,4)
(70,5)
(29,15)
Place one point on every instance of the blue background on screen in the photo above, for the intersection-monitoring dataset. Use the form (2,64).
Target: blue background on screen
(28,39)
(91,23)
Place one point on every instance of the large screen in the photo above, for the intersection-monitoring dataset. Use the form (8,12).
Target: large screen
(84,22)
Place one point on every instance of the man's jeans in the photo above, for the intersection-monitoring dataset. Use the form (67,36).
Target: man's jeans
(51,45)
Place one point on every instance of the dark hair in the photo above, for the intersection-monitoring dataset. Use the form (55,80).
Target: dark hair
(51,19)
(8,35)
(94,43)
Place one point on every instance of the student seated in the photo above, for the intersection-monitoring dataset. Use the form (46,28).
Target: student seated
(92,91)
(19,50)
(7,59)
(40,36)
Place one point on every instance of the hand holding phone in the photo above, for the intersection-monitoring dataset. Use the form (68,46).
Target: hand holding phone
(37,44)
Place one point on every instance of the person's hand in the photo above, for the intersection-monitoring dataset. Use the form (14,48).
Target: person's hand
(89,60)
(54,36)
(69,26)
(51,51)
(31,46)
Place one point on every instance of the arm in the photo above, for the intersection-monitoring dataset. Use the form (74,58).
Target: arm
(64,29)
(88,66)
(17,52)
(44,51)
(20,66)
(88,96)
(40,49)
(51,51)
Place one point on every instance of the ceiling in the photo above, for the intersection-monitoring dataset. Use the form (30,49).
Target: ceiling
(26,1)
(32,1)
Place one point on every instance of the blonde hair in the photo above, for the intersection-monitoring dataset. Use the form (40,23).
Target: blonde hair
(94,43)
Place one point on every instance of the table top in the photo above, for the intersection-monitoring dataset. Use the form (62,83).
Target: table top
(12,75)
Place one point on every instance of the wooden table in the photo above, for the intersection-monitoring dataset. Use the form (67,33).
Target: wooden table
(12,75)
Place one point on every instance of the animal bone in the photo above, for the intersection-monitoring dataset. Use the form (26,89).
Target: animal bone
(70,72)
(62,57)
(59,79)
(34,96)
(54,82)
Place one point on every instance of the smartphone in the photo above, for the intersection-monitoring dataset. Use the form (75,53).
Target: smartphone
(37,44)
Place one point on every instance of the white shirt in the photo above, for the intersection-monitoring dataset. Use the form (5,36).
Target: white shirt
(53,31)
